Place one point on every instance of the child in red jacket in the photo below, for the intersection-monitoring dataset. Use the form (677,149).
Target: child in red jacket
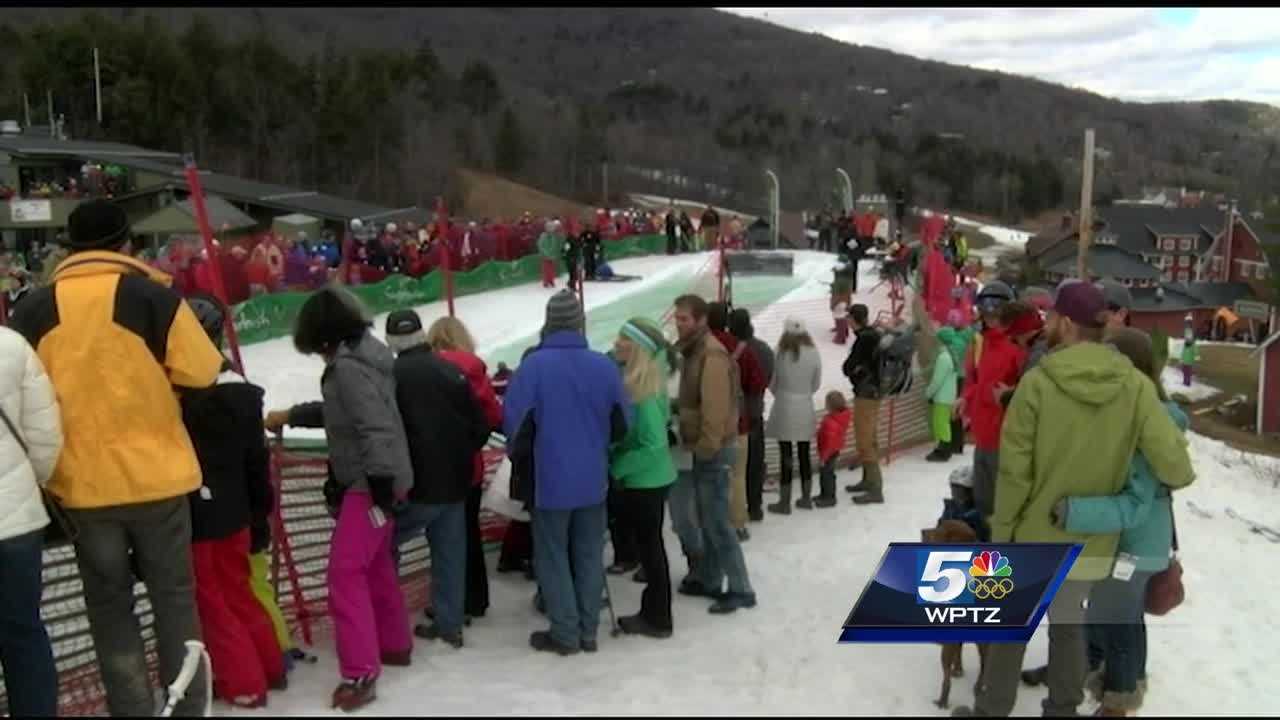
(831,434)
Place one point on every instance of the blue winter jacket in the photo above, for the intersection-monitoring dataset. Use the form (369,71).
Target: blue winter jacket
(1142,513)
(574,398)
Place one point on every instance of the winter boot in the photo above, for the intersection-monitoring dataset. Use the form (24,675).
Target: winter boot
(637,625)
(942,453)
(433,632)
(827,492)
(731,602)
(695,563)
(622,568)
(1035,676)
(543,642)
(874,492)
(806,485)
(355,694)
(783,506)
(398,658)
(861,485)
(640,576)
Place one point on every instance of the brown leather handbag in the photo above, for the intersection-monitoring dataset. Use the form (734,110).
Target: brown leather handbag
(1165,590)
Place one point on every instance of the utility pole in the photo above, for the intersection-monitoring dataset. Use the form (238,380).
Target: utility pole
(604,182)
(48,94)
(1226,238)
(97,84)
(1086,208)
(26,109)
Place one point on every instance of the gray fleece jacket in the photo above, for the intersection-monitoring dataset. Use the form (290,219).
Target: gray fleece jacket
(361,420)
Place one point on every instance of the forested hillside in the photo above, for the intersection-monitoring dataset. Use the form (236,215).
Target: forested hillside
(382,103)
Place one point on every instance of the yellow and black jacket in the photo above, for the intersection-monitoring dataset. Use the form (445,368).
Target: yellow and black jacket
(115,341)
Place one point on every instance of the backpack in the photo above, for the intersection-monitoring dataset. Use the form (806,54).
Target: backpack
(893,358)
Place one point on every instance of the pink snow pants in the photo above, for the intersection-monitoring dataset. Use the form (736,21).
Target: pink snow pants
(365,602)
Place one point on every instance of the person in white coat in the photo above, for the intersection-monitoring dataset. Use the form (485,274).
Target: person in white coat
(792,421)
(30,441)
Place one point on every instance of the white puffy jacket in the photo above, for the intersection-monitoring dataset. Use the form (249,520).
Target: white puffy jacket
(28,400)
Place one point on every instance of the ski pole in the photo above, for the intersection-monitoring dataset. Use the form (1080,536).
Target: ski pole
(190,664)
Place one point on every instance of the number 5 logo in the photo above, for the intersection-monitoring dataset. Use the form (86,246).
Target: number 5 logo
(933,572)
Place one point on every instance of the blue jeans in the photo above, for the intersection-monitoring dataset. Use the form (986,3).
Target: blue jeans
(683,504)
(572,593)
(446,530)
(723,554)
(30,676)
(1117,631)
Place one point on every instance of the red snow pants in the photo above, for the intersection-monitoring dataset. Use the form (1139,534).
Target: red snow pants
(548,273)
(237,632)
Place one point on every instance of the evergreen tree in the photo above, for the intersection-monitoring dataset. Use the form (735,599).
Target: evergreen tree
(510,150)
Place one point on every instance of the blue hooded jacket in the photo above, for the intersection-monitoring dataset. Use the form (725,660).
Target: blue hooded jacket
(575,400)
(1142,513)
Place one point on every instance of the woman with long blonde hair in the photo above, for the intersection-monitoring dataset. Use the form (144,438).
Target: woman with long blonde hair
(450,339)
(642,465)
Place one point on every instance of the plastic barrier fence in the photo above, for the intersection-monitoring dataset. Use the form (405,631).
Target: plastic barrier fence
(271,316)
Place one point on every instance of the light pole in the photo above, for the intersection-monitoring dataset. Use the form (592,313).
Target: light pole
(775,208)
(846,188)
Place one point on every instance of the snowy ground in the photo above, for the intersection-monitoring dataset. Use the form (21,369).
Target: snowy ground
(1210,656)
(1006,238)
(505,322)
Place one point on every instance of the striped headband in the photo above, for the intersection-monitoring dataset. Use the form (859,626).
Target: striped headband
(634,332)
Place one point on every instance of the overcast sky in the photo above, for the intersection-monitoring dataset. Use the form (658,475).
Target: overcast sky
(1130,53)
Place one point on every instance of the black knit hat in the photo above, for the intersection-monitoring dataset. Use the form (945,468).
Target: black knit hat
(97,225)
(403,322)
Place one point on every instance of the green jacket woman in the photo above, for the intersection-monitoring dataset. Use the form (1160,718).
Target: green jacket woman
(643,459)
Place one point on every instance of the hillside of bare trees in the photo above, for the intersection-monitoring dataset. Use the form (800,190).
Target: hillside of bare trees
(381,104)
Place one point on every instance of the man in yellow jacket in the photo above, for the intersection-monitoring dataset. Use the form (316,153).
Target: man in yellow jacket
(117,344)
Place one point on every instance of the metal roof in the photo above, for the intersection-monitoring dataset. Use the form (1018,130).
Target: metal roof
(36,145)
(1191,296)
(281,197)
(1108,261)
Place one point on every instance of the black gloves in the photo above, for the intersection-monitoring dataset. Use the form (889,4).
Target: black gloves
(259,536)
(333,493)
(381,490)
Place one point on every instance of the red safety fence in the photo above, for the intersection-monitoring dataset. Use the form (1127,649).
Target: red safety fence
(301,527)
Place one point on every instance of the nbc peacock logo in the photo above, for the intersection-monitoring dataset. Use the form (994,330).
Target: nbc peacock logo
(990,576)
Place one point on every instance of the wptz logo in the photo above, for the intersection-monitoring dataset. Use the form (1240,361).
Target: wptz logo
(986,576)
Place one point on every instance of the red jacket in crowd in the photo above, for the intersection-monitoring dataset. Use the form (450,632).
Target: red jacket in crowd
(999,364)
(477,374)
(831,434)
(754,381)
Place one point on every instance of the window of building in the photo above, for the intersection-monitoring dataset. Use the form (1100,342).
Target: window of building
(1167,276)
(1184,261)
(1217,263)
(1187,244)
(1170,244)
(1184,276)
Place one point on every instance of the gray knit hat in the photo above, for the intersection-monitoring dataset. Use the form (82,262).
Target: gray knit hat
(564,312)
(1117,296)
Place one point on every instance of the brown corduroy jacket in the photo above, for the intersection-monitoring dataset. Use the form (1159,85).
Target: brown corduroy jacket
(708,402)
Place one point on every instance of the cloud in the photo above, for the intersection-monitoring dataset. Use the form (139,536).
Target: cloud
(1139,54)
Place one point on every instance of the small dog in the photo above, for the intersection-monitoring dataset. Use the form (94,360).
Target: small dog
(954,531)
